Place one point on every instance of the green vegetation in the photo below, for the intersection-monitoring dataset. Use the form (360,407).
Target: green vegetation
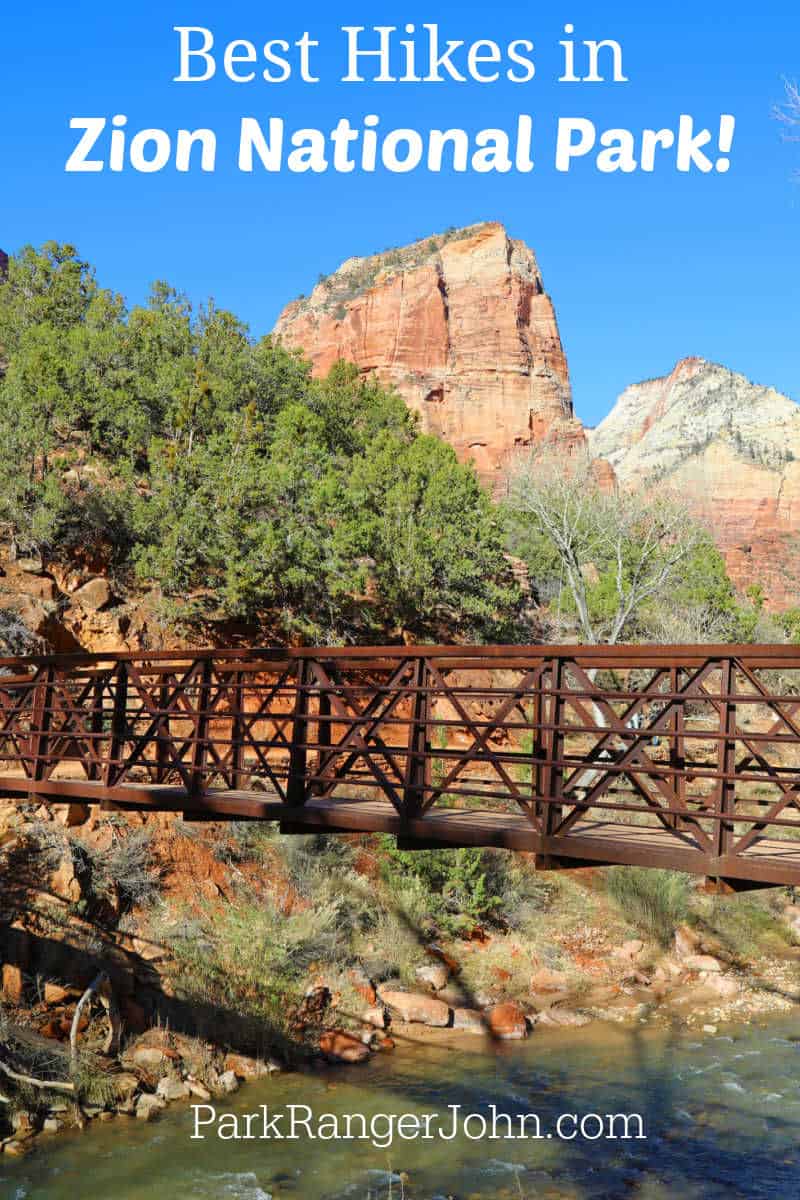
(166,445)
(617,565)
(655,902)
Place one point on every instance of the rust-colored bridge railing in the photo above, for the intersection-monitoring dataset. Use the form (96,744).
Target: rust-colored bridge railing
(685,756)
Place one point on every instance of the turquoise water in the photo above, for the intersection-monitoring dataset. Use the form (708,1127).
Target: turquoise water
(721,1117)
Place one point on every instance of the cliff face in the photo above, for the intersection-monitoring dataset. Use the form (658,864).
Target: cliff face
(460,324)
(732,450)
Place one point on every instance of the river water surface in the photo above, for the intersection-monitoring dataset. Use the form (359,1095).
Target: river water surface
(721,1117)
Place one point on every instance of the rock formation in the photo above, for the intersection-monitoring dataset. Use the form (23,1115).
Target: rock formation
(732,449)
(460,324)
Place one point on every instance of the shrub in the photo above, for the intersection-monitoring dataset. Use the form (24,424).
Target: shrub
(652,900)
(463,885)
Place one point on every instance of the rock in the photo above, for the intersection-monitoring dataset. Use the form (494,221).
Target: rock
(434,974)
(38,587)
(198,1089)
(125,1084)
(169,1088)
(70,815)
(566,1017)
(64,882)
(228,1083)
(546,980)
(363,985)
(507,1021)
(52,1125)
(149,1106)
(687,941)
(413,1007)
(23,1123)
(15,1149)
(54,994)
(245,1067)
(731,450)
(343,1047)
(461,325)
(148,1057)
(709,1029)
(376,1017)
(469,1020)
(13,983)
(628,950)
(94,595)
(725,986)
(382,1042)
(31,564)
(702,962)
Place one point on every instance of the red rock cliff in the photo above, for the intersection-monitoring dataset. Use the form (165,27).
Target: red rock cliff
(461,325)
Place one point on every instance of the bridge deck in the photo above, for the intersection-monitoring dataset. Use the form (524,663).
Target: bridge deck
(589,842)
(686,757)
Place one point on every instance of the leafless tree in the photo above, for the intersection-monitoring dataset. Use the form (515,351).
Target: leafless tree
(644,537)
(788,113)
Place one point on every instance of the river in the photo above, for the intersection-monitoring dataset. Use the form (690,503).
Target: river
(721,1119)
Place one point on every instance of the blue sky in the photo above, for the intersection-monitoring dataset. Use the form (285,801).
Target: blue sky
(643,269)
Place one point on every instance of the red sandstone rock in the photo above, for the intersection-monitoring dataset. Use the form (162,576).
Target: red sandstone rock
(363,985)
(13,984)
(343,1047)
(461,325)
(507,1021)
(411,1006)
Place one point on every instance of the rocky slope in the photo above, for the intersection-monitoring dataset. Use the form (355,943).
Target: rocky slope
(732,449)
(461,325)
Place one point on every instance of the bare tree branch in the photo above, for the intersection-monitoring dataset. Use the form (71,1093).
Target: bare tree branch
(642,538)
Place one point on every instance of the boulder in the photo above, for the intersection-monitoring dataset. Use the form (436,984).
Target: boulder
(725,986)
(343,1047)
(363,985)
(414,1007)
(54,994)
(13,983)
(64,882)
(94,595)
(507,1021)
(38,587)
(702,962)
(245,1067)
(376,1017)
(31,564)
(198,1089)
(469,1020)
(149,1106)
(687,941)
(629,950)
(228,1083)
(15,1149)
(434,974)
(566,1017)
(70,815)
(23,1123)
(169,1089)
(148,1057)
(125,1084)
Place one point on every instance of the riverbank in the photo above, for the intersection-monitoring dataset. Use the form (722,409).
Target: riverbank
(230,953)
(721,1117)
